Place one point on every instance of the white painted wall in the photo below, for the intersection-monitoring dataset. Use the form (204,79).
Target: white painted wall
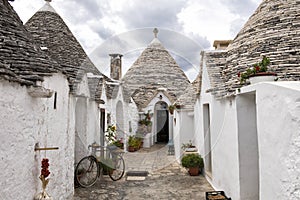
(133,117)
(224,146)
(93,128)
(248,146)
(277,110)
(278,126)
(26,121)
(183,130)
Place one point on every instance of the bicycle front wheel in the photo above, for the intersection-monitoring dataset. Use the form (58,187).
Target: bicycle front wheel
(118,168)
(87,171)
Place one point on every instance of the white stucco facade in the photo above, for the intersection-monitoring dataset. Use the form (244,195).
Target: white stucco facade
(250,142)
(184,131)
(217,139)
(26,121)
(278,125)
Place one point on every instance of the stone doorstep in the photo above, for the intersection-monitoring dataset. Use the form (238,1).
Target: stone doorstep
(135,178)
(136,175)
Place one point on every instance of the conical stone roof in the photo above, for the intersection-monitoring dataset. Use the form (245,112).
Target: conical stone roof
(188,99)
(21,60)
(50,31)
(155,68)
(273,31)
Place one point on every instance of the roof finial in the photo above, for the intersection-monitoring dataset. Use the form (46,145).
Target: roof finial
(155,31)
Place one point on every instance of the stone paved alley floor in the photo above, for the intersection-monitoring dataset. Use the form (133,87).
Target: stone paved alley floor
(166,180)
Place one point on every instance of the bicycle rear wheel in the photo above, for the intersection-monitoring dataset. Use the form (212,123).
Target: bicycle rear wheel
(87,171)
(118,167)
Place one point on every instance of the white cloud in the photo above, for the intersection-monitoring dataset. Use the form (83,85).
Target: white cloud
(211,19)
(95,21)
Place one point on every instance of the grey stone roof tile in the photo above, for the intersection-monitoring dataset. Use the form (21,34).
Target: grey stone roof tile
(188,99)
(272,31)
(21,59)
(49,30)
(95,87)
(155,67)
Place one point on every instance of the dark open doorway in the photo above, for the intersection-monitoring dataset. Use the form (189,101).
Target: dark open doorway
(102,126)
(162,120)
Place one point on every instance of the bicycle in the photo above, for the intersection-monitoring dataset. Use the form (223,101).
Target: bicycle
(90,168)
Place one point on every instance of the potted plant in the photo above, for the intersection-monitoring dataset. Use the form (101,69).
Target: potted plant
(145,123)
(171,109)
(131,143)
(119,143)
(258,72)
(188,147)
(193,162)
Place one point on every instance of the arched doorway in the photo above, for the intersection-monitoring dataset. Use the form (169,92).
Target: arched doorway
(80,129)
(120,120)
(162,122)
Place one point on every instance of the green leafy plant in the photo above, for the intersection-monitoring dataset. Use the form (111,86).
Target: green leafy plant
(171,109)
(256,68)
(119,143)
(131,141)
(147,119)
(187,145)
(111,134)
(192,160)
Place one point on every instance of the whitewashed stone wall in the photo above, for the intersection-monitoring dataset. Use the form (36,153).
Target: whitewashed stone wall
(93,128)
(278,126)
(133,117)
(275,111)
(87,120)
(26,121)
(223,136)
(184,130)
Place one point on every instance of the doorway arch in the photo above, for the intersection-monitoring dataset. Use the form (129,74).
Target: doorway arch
(80,128)
(120,120)
(162,122)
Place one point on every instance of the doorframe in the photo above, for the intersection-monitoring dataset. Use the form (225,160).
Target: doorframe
(155,120)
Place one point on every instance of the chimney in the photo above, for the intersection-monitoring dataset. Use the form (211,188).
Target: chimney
(115,66)
(221,44)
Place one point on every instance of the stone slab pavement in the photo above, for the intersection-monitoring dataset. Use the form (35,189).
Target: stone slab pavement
(166,180)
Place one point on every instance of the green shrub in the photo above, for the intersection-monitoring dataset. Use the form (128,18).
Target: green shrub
(192,160)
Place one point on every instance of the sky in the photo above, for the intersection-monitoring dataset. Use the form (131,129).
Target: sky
(125,26)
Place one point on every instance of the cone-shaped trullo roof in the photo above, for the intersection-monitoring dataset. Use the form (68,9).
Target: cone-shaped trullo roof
(20,59)
(50,31)
(155,68)
(188,99)
(273,31)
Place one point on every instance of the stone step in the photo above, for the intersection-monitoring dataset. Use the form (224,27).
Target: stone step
(136,175)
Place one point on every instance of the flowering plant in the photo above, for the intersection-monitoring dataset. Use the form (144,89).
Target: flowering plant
(111,133)
(147,119)
(119,143)
(256,68)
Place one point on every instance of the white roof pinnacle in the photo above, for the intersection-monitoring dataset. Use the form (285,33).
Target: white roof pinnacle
(47,7)
(155,31)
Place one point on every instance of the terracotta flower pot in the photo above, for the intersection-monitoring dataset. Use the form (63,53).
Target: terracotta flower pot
(131,149)
(194,171)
